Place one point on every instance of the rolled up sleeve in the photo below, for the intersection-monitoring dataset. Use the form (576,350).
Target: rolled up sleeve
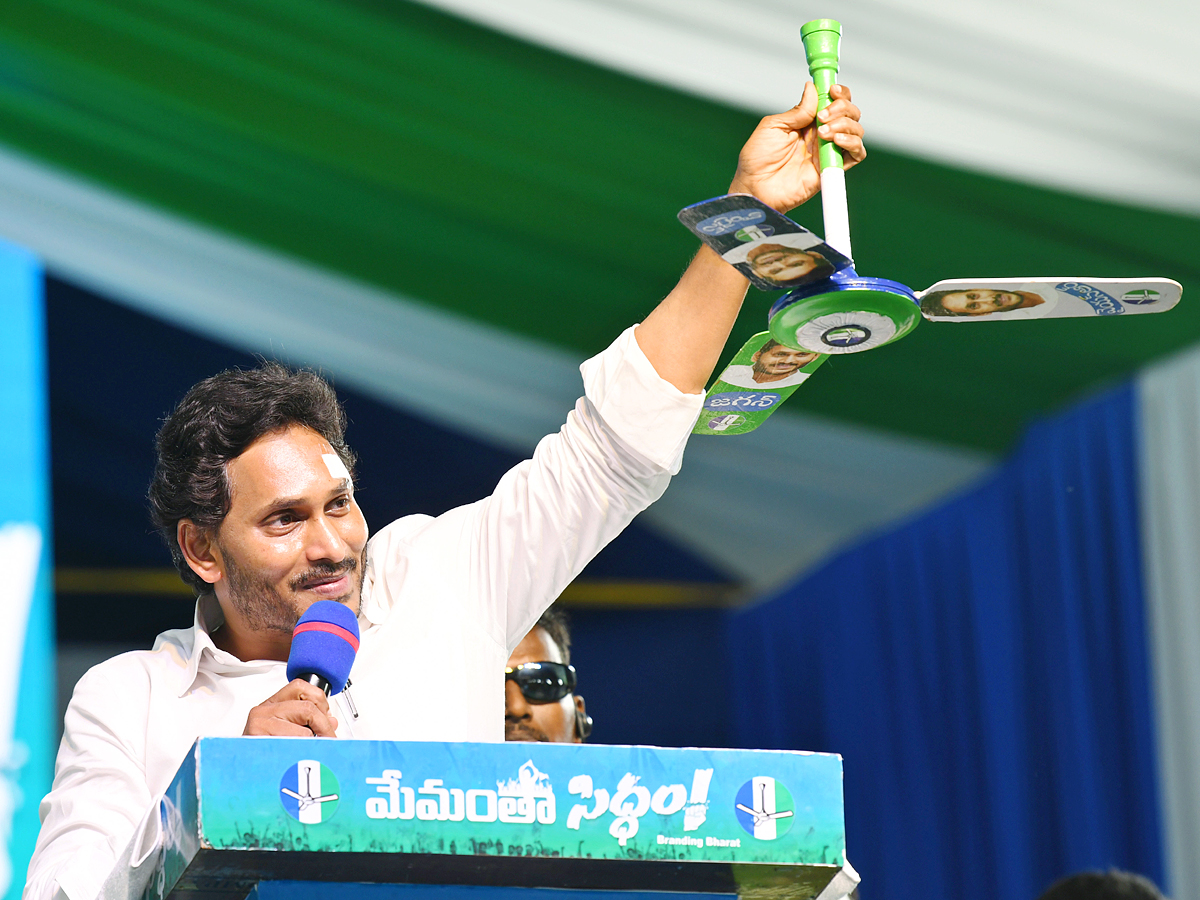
(510,555)
(549,516)
(648,414)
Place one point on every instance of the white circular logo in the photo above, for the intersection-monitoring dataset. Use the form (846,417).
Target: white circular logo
(845,332)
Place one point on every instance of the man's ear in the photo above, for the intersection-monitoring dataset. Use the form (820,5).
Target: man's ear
(200,551)
(583,722)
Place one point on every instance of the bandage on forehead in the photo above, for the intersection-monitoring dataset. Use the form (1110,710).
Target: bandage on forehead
(337,468)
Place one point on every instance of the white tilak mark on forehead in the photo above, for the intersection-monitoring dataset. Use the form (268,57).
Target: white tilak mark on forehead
(337,468)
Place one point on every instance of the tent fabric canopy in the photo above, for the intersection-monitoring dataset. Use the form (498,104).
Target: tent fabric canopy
(535,192)
(1040,92)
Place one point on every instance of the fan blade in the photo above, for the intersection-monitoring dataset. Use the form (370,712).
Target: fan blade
(757,380)
(767,247)
(993,299)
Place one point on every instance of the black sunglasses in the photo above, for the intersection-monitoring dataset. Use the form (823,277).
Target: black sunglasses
(542,682)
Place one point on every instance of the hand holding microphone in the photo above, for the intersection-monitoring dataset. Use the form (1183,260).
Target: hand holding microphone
(299,710)
(324,644)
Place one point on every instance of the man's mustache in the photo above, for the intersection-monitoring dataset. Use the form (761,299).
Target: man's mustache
(521,731)
(323,571)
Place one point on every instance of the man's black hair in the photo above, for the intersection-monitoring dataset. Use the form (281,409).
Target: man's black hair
(772,344)
(554,622)
(931,304)
(1111,885)
(215,422)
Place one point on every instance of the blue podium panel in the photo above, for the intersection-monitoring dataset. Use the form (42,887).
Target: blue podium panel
(248,810)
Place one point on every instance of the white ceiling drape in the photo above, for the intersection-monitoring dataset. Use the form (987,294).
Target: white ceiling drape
(1095,97)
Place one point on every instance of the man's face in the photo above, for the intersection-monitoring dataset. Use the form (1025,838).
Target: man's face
(293,534)
(981,302)
(780,263)
(525,721)
(780,361)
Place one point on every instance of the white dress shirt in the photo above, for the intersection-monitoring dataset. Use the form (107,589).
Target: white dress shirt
(445,600)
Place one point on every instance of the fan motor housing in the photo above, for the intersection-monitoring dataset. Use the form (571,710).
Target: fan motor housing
(846,313)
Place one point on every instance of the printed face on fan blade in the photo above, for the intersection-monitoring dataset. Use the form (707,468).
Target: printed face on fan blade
(757,380)
(768,248)
(984,299)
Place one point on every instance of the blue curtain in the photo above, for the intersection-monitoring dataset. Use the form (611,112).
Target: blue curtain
(983,670)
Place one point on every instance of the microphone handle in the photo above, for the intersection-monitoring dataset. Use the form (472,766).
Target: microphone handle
(315,679)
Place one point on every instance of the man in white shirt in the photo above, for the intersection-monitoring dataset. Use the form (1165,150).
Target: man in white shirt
(254,491)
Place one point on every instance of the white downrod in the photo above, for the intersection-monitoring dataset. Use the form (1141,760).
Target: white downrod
(833,205)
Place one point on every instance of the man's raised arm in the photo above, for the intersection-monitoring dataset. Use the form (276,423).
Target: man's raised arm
(550,515)
(684,336)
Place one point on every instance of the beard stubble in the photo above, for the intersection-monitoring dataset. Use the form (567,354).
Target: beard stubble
(264,609)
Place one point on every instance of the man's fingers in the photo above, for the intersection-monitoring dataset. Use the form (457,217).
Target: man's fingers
(840,126)
(801,115)
(312,694)
(853,149)
(301,690)
(846,134)
(281,728)
(839,92)
(292,717)
(839,109)
(296,690)
(307,713)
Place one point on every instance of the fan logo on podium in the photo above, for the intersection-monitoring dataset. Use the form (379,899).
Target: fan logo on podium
(309,792)
(765,808)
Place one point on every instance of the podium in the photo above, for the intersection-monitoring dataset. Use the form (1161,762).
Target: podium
(380,820)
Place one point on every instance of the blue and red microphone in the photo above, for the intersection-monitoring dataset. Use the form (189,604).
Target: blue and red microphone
(324,643)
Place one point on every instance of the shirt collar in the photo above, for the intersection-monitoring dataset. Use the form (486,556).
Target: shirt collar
(208,618)
(367,608)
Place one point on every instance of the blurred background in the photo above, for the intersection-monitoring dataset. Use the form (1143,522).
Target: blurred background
(967,562)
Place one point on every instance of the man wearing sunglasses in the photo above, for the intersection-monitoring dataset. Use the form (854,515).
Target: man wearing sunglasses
(539,683)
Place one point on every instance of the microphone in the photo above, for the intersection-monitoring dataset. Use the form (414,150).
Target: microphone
(323,646)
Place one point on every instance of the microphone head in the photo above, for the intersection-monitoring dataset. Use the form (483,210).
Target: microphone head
(324,643)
